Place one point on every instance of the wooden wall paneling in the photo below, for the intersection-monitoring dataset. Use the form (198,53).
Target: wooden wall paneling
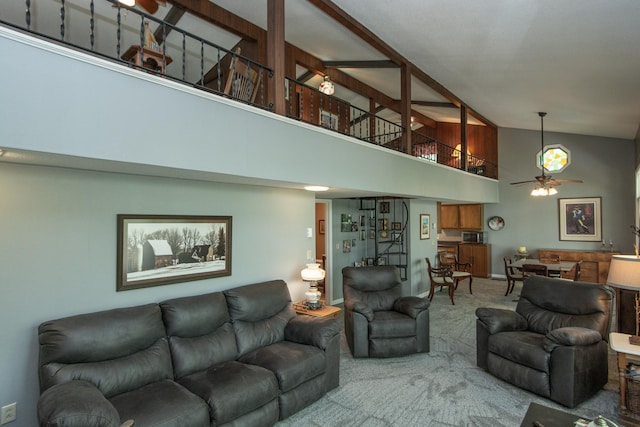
(276,54)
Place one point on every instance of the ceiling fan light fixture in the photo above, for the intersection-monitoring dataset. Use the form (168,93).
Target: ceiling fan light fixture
(544,191)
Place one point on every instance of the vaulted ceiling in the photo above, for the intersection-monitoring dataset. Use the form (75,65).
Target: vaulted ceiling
(578,60)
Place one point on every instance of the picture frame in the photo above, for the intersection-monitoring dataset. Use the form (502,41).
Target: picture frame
(580,219)
(396,238)
(329,120)
(396,226)
(155,250)
(384,207)
(321,225)
(425,226)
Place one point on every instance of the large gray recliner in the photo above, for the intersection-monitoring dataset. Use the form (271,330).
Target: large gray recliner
(378,320)
(555,342)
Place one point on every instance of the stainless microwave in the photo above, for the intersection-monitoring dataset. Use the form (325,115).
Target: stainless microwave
(474,237)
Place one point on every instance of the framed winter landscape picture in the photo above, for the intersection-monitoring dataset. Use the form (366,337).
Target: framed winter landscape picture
(156,250)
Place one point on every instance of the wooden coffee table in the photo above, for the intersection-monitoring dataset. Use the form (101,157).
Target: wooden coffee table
(325,311)
(547,417)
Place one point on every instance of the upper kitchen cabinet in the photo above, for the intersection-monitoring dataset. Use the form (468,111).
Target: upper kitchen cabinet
(461,217)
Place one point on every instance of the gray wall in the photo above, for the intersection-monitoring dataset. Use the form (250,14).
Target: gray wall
(58,250)
(605,165)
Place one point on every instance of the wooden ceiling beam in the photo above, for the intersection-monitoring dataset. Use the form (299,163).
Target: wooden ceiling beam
(346,20)
(173,16)
(222,18)
(360,64)
(434,104)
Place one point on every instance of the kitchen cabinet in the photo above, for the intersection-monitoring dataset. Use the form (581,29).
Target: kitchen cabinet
(449,217)
(479,255)
(461,217)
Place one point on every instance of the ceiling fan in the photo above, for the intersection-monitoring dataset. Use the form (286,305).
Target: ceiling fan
(545,183)
(150,6)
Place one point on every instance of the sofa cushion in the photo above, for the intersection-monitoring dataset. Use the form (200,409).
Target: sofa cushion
(391,324)
(522,347)
(548,306)
(165,404)
(232,389)
(117,350)
(200,332)
(259,313)
(292,363)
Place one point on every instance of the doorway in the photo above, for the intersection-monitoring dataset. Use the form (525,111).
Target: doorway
(323,242)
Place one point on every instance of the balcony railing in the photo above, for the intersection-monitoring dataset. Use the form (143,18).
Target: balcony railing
(125,36)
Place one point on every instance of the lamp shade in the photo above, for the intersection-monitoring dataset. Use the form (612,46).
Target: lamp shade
(313,273)
(624,272)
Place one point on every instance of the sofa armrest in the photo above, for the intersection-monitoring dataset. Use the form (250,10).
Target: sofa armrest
(570,336)
(317,331)
(360,307)
(411,306)
(76,403)
(501,320)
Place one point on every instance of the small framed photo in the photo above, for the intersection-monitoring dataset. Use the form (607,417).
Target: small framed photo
(384,207)
(363,234)
(369,261)
(328,120)
(383,224)
(396,226)
(425,226)
(363,221)
(580,219)
(396,238)
(372,233)
(382,261)
(321,226)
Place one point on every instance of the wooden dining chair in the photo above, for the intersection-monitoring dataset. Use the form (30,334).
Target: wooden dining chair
(460,270)
(440,276)
(512,275)
(551,259)
(574,273)
(534,269)
(242,82)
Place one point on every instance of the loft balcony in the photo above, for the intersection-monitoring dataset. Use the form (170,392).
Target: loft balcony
(214,61)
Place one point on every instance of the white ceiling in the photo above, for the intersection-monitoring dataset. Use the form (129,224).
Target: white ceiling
(578,60)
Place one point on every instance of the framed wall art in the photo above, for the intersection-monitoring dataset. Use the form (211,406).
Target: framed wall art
(580,219)
(156,250)
(425,226)
(328,120)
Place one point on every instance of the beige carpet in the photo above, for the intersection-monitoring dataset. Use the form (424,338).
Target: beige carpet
(443,387)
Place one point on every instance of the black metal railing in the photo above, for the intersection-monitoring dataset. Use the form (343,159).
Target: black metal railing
(108,29)
(111,30)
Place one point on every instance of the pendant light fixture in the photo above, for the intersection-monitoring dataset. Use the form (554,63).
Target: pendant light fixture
(326,86)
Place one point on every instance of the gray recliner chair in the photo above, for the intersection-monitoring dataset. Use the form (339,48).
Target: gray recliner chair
(378,320)
(555,342)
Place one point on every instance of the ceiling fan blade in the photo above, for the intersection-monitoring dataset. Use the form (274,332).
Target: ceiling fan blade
(524,182)
(577,181)
(150,5)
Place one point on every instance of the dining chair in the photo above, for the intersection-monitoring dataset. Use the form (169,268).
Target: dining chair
(551,259)
(242,82)
(574,273)
(459,270)
(512,275)
(534,270)
(440,276)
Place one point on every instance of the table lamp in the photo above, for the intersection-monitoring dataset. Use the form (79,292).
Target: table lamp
(624,273)
(313,274)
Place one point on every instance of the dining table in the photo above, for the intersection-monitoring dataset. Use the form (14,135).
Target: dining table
(557,267)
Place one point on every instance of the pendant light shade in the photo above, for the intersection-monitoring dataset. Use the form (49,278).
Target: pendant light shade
(326,86)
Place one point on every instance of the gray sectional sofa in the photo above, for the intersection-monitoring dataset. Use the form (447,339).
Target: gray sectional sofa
(241,357)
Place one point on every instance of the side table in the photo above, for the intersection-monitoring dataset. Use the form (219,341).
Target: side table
(620,344)
(325,311)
